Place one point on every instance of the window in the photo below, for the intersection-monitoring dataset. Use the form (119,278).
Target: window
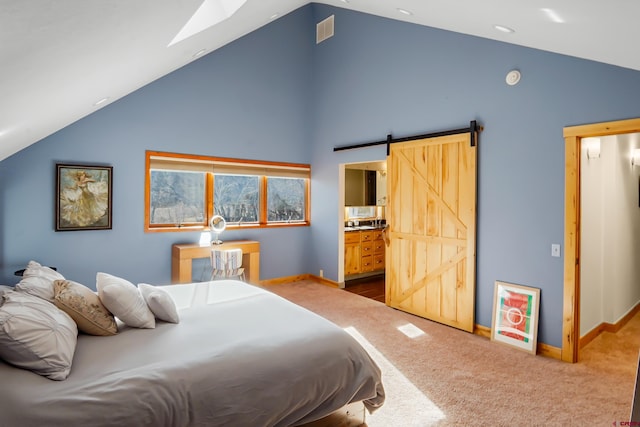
(237,198)
(182,192)
(285,199)
(177,198)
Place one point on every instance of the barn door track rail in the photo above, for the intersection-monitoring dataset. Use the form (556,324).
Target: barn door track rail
(473,128)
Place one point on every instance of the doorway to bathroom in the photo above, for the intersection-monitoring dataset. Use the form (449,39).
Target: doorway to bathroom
(363,248)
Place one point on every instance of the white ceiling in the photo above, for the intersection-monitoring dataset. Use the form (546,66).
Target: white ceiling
(59,57)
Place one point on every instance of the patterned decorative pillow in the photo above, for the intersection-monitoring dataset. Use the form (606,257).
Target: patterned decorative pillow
(160,303)
(38,280)
(124,300)
(36,335)
(84,307)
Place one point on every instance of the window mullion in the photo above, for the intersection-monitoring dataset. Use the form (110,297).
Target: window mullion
(263,200)
(210,182)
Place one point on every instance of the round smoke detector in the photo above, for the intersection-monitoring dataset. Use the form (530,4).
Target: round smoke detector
(513,77)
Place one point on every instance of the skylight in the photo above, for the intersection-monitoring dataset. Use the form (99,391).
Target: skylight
(210,13)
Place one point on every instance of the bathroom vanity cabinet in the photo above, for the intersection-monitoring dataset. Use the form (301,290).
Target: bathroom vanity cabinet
(363,251)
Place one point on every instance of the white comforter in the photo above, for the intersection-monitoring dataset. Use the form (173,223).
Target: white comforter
(240,356)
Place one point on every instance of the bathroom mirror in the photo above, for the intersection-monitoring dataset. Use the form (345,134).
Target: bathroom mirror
(365,184)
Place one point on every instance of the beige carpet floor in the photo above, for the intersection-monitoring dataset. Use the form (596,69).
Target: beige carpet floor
(435,375)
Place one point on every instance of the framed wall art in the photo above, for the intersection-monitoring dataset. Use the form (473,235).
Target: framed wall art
(83,197)
(515,316)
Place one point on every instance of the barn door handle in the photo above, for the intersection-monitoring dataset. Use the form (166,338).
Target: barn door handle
(385,236)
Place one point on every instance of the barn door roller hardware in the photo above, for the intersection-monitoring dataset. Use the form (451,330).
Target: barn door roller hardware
(473,128)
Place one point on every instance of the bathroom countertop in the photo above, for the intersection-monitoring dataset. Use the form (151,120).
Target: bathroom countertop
(364,227)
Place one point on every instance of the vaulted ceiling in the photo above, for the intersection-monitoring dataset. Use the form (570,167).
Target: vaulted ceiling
(61,60)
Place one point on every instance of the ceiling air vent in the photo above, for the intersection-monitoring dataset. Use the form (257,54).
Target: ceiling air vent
(324,29)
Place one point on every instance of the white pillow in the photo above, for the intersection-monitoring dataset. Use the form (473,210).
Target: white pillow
(36,335)
(3,290)
(123,299)
(38,280)
(160,303)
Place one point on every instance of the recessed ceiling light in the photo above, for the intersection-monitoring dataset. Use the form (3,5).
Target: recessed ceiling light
(552,15)
(504,29)
(274,16)
(344,1)
(199,53)
(100,102)
(404,11)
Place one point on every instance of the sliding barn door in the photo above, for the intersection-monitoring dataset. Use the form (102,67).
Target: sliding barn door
(431,212)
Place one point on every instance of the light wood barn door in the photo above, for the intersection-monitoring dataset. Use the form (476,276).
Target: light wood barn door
(431,212)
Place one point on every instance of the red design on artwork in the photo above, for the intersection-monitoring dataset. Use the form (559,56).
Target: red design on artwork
(515,313)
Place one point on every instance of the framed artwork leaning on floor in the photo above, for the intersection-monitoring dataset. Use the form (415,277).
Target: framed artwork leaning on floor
(515,316)
(83,197)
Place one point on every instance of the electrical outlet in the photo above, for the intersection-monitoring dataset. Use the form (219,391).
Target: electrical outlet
(555,250)
(321,273)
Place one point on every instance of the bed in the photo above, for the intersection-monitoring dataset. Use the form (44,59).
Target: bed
(239,356)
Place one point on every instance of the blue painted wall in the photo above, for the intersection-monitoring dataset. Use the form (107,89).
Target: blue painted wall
(275,95)
(378,76)
(247,100)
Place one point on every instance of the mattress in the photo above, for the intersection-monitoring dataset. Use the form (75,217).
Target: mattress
(240,356)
